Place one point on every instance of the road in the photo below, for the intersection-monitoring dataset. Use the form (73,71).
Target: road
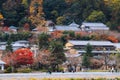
(19,76)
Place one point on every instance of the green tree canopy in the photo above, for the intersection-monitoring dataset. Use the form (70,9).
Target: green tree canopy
(43,40)
(96,16)
(85,61)
(57,53)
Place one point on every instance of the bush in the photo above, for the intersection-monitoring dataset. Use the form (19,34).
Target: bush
(8,70)
(24,70)
(61,69)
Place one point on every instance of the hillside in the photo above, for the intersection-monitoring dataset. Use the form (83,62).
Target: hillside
(35,12)
(66,11)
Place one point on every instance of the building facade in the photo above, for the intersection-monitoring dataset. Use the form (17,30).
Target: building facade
(98,47)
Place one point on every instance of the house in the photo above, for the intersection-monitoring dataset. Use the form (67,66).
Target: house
(72,27)
(3,45)
(13,29)
(89,26)
(20,44)
(15,45)
(98,47)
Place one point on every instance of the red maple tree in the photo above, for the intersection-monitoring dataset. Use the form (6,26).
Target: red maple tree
(22,56)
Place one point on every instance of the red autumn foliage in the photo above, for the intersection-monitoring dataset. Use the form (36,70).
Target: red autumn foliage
(22,56)
(112,39)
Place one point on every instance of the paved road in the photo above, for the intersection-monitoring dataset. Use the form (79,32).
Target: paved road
(60,75)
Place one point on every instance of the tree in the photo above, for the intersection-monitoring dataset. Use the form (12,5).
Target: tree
(56,34)
(85,61)
(22,56)
(88,50)
(42,59)
(43,41)
(9,46)
(60,20)
(57,55)
(25,3)
(50,8)
(1,16)
(36,13)
(87,56)
(96,16)
(13,11)
(112,39)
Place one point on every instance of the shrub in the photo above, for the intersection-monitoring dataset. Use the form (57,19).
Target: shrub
(8,70)
(24,70)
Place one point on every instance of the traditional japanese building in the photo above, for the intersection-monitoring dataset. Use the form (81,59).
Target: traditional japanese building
(98,47)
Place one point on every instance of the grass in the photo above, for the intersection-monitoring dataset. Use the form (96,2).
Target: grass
(97,70)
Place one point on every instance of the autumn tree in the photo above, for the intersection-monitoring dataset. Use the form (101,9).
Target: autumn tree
(112,39)
(36,13)
(41,61)
(22,56)
(56,34)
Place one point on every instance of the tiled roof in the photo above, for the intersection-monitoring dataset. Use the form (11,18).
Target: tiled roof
(100,43)
(95,25)
(67,28)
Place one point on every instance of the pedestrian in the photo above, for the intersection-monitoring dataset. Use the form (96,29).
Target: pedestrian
(112,70)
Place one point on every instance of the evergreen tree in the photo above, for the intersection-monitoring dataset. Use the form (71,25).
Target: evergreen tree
(89,50)
(85,61)
(9,46)
(43,41)
(57,55)
(86,56)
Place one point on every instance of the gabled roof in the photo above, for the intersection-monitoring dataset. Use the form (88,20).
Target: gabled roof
(73,24)
(100,43)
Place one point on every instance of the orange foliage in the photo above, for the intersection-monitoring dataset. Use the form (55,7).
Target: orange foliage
(82,33)
(56,34)
(112,39)
(1,16)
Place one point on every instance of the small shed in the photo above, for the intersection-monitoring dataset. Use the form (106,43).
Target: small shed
(2,65)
